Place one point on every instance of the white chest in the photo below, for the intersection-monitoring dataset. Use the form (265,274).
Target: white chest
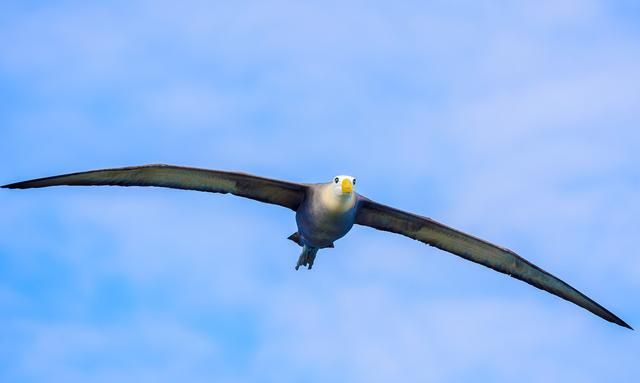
(335,203)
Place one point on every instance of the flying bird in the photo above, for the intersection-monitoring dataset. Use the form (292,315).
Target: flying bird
(326,212)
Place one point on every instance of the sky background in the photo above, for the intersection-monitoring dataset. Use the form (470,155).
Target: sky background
(515,121)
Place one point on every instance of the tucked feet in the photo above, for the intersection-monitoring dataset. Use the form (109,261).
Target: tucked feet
(307,257)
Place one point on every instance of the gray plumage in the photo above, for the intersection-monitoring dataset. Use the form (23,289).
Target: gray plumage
(318,225)
(326,212)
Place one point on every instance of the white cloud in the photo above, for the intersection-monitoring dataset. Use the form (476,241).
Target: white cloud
(514,122)
(365,334)
(146,349)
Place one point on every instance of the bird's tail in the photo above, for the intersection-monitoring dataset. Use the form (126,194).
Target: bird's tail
(295,237)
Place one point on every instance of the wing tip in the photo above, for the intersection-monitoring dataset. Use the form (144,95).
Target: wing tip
(624,324)
(17,185)
(609,316)
(25,184)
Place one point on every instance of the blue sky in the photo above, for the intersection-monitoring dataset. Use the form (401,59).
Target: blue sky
(516,121)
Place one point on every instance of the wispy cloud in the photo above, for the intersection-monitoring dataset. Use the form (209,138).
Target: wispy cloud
(514,121)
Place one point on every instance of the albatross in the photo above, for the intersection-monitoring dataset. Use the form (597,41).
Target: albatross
(325,212)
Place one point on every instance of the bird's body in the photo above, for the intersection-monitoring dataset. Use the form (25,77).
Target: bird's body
(326,212)
(325,216)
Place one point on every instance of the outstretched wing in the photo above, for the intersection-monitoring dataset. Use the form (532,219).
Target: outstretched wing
(433,233)
(283,193)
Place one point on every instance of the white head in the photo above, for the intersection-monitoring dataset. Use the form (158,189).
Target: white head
(344,185)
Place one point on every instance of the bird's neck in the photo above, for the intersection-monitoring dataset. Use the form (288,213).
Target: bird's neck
(337,202)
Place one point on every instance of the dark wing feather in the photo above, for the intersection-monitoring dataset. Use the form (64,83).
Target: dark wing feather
(287,194)
(433,233)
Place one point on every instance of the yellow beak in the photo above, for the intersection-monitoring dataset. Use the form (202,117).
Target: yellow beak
(347,186)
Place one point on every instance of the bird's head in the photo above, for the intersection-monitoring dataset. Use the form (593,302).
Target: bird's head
(344,185)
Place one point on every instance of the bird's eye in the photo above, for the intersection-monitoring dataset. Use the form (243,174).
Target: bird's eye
(336,180)
(354,181)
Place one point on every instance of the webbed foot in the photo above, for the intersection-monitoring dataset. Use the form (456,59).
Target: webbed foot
(307,257)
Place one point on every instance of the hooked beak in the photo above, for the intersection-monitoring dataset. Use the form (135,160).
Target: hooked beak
(347,186)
